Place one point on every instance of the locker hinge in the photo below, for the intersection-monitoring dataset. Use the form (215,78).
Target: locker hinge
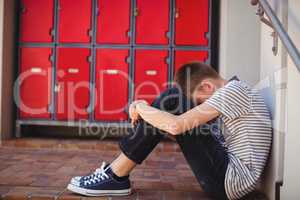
(97,11)
(90,32)
(177,13)
(51,58)
(136,12)
(128,59)
(90,59)
(58,5)
(168,34)
(167,60)
(129,33)
(57,88)
(23,9)
(50,108)
(89,108)
(207,35)
(52,32)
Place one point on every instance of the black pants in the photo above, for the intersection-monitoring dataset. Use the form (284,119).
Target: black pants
(203,151)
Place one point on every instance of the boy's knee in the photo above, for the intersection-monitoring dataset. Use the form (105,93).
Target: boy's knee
(168,100)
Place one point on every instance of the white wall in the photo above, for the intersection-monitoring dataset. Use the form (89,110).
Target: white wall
(283,79)
(291,186)
(245,50)
(239,41)
(273,79)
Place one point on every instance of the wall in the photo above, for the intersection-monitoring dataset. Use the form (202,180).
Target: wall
(291,185)
(239,41)
(279,74)
(7,68)
(1,49)
(245,50)
(273,77)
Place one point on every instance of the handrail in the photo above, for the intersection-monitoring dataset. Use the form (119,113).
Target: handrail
(278,28)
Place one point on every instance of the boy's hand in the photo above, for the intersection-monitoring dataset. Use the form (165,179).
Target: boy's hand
(133,114)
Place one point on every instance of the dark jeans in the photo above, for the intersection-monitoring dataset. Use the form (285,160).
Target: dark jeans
(204,153)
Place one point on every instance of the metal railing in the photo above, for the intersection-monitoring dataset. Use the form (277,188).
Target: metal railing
(274,22)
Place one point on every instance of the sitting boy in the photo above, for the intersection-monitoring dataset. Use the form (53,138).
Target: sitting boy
(227,167)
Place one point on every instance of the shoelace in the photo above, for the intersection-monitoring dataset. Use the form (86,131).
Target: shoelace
(96,172)
(100,177)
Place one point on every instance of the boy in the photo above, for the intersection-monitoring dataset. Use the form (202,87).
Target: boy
(227,167)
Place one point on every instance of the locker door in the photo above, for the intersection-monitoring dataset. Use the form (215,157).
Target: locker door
(35,82)
(111,84)
(151,73)
(183,57)
(75,20)
(36,21)
(152,21)
(191,22)
(72,86)
(113,28)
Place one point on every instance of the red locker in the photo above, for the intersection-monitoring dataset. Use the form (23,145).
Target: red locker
(36,21)
(111,84)
(72,87)
(75,20)
(182,57)
(152,21)
(35,82)
(191,22)
(151,73)
(113,21)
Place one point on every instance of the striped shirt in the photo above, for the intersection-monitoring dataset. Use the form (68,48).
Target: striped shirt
(248,135)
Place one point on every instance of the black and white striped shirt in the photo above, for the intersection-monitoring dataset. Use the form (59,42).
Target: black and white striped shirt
(248,137)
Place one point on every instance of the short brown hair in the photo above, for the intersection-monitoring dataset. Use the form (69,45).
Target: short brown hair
(191,74)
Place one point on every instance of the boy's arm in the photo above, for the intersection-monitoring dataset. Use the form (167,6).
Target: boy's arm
(177,124)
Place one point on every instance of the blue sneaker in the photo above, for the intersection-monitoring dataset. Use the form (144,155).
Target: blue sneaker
(101,184)
(77,179)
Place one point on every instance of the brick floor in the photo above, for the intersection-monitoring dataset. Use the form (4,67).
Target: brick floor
(41,168)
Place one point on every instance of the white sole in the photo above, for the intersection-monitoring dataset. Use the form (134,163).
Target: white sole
(96,193)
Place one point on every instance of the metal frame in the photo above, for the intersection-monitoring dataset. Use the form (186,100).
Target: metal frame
(93,46)
(273,21)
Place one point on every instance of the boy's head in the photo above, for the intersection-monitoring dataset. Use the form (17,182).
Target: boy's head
(198,81)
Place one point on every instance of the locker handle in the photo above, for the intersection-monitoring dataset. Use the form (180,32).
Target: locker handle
(151,72)
(51,32)
(73,70)
(111,71)
(36,70)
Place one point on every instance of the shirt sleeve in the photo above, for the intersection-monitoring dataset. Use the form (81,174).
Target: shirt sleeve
(232,100)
